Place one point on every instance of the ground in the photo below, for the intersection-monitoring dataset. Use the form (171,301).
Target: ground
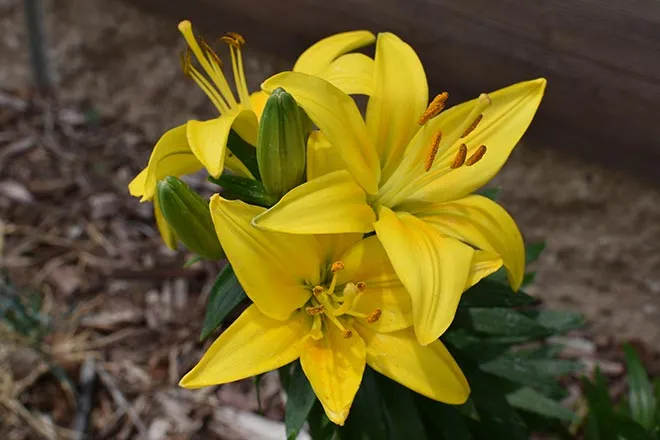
(71,230)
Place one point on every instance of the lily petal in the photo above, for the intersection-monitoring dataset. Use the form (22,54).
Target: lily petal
(258,101)
(433,267)
(400,95)
(429,370)
(333,203)
(208,139)
(171,156)
(483,264)
(337,116)
(501,127)
(252,345)
(366,261)
(319,55)
(273,268)
(352,74)
(322,158)
(481,223)
(334,366)
(168,235)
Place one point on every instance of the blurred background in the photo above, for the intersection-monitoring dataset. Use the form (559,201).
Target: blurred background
(110,297)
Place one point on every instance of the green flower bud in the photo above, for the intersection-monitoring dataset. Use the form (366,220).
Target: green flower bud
(189,217)
(281,144)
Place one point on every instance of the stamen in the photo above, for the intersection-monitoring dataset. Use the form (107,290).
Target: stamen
(374,316)
(337,266)
(317,290)
(348,334)
(314,310)
(361,286)
(210,52)
(435,144)
(232,41)
(238,37)
(472,126)
(476,156)
(461,154)
(317,328)
(434,108)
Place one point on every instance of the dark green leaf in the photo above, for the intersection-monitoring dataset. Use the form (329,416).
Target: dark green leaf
(528,279)
(320,427)
(226,294)
(533,251)
(558,321)
(403,417)
(478,349)
(249,190)
(446,420)
(192,260)
(531,400)
(490,193)
(640,397)
(600,419)
(368,416)
(546,351)
(299,402)
(489,293)
(499,321)
(245,152)
(524,371)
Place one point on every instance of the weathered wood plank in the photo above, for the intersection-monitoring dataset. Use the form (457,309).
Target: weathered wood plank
(601,57)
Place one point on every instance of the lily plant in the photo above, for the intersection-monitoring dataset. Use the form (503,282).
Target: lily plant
(408,171)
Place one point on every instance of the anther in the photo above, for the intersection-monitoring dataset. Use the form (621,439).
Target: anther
(461,154)
(317,290)
(347,333)
(435,144)
(238,37)
(361,286)
(185,61)
(337,266)
(476,156)
(472,126)
(210,52)
(314,310)
(233,42)
(374,316)
(434,108)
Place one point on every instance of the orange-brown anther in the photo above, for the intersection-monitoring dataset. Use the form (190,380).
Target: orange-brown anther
(361,286)
(185,61)
(238,37)
(461,154)
(348,334)
(337,266)
(317,290)
(210,52)
(472,126)
(374,316)
(435,144)
(314,310)
(434,108)
(476,156)
(231,40)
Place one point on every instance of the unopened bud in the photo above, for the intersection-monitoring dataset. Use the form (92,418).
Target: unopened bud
(281,144)
(189,217)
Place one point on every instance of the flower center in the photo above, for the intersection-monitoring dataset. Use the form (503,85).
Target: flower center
(333,305)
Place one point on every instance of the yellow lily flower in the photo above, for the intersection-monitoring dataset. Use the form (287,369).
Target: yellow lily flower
(202,144)
(419,166)
(333,301)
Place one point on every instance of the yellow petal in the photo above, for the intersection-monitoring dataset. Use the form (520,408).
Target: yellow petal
(333,203)
(234,164)
(352,74)
(483,224)
(171,156)
(258,101)
(501,127)
(400,96)
(483,264)
(322,158)
(136,187)
(334,366)
(252,345)
(273,268)
(429,370)
(208,139)
(337,116)
(319,55)
(434,268)
(366,261)
(334,246)
(167,233)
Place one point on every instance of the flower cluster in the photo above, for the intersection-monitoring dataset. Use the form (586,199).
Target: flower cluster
(369,228)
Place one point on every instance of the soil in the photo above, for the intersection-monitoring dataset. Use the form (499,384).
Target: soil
(71,228)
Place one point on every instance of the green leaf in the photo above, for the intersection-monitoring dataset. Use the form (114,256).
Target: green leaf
(478,349)
(192,260)
(368,416)
(489,293)
(245,152)
(249,190)
(226,294)
(403,417)
(558,321)
(640,397)
(299,402)
(490,193)
(446,420)
(499,321)
(320,427)
(524,371)
(531,400)
(600,419)
(533,251)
